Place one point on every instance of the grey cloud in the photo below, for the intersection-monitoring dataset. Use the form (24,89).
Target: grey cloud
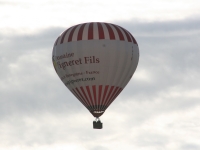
(148,139)
(99,148)
(23,42)
(176,26)
(190,147)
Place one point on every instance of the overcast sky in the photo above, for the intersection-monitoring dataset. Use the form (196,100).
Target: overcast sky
(158,110)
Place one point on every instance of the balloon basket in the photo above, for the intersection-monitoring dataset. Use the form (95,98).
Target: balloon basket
(97,124)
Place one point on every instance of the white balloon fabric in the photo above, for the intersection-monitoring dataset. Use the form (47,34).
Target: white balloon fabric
(95,61)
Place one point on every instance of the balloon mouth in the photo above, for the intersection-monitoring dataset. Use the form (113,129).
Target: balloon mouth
(97,113)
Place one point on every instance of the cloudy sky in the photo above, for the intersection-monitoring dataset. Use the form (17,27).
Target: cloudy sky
(158,110)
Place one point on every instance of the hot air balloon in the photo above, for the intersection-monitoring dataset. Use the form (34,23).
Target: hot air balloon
(95,61)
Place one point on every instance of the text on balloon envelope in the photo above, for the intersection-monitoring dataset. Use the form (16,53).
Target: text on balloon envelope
(85,60)
(79,80)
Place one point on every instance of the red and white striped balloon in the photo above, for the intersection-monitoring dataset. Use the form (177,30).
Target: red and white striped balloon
(95,61)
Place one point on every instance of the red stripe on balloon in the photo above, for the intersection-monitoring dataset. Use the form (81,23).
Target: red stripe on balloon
(74,92)
(100,90)
(80,32)
(101,32)
(88,91)
(94,93)
(63,36)
(118,92)
(71,33)
(90,31)
(81,96)
(110,91)
(111,98)
(127,34)
(133,39)
(77,96)
(113,94)
(104,94)
(82,89)
(121,37)
(110,31)
(56,42)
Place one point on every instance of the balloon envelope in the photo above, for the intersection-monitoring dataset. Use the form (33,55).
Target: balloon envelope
(95,61)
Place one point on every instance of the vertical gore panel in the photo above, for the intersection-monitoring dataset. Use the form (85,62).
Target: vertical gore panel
(113,94)
(75,94)
(100,30)
(85,95)
(110,91)
(111,33)
(100,90)
(118,92)
(121,37)
(133,39)
(104,93)
(71,34)
(90,31)
(88,91)
(127,35)
(81,96)
(94,93)
(63,36)
(80,32)
(56,42)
